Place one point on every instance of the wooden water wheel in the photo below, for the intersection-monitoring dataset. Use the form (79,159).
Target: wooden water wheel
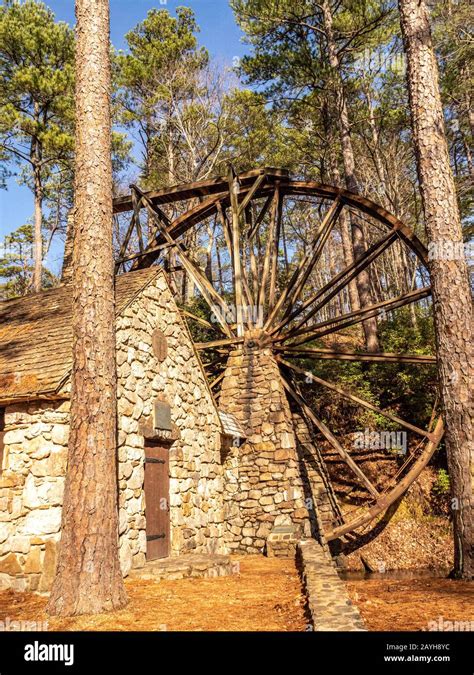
(285,288)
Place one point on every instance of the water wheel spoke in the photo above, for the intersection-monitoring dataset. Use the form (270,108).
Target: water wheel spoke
(338,283)
(237,267)
(338,355)
(355,399)
(294,288)
(329,436)
(219,343)
(267,261)
(263,211)
(208,291)
(218,379)
(335,325)
(251,193)
(198,319)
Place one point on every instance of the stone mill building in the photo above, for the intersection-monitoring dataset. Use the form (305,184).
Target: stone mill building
(192,478)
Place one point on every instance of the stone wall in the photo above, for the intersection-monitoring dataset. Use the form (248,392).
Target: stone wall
(318,490)
(31,493)
(36,436)
(196,476)
(263,486)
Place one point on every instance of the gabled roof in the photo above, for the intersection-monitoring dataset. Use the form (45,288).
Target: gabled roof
(36,337)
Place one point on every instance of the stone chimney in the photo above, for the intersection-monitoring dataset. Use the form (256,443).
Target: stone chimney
(263,486)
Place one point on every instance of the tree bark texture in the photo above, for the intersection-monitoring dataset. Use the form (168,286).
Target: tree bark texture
(449,278)
(358,237)
(89,579)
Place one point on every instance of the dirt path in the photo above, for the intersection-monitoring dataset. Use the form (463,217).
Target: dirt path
(266,595)
(402,605)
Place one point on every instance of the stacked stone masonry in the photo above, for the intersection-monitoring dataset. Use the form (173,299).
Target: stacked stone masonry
(35,452)
(329,605)
(187,566)
(268,483)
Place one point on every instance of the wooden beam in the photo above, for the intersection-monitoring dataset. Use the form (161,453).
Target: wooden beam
(219,343)
(268,252)
(235,233)
(346,320)
(250,194)
(306,266)
(217,380)
(209,293)
(382,357)
(136,256)
(319,424)
(199,319)
(263,211)
(339,282)
(355,399)
(252,258)
(136,212)
(275,247)
(200,188)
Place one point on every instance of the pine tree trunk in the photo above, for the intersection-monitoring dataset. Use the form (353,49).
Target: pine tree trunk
(38,237)
(35,158)
(66,272)
(88,578)
(358,237)
(451,292)
(345,238)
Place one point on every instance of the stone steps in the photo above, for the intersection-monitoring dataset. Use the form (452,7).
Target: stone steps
(186,566)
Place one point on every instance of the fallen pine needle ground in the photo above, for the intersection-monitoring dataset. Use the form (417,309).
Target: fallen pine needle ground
(403,605)
(265,596)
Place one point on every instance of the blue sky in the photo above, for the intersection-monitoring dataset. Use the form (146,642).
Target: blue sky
(219,34)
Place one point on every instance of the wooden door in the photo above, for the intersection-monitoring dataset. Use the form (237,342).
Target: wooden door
(157,509)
